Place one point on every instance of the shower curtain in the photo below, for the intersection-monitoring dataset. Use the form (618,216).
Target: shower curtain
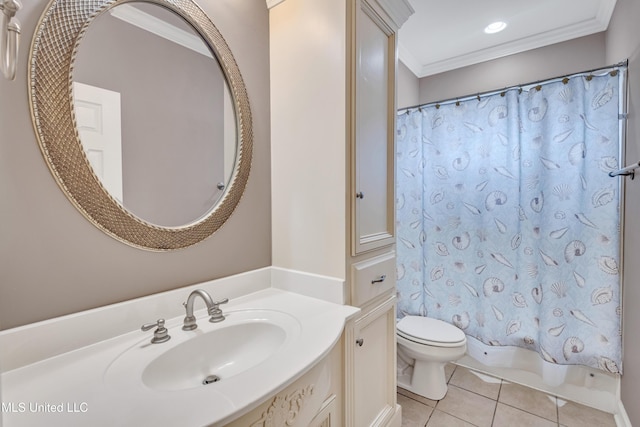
(508,223)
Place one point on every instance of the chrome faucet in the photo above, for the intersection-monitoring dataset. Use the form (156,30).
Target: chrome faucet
(213,309)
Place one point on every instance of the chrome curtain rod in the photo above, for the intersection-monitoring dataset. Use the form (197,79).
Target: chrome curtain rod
(628,171)
(564,78)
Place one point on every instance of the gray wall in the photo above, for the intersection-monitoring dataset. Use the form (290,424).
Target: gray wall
(408,88)
(54,262)
(538,64)
(623,42)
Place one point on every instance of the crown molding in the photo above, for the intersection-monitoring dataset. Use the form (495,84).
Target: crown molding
(273,3)
(398,10)
(150,23)
(409,59)
(598,24)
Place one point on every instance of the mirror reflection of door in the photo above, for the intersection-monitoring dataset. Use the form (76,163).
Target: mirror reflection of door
(98,118)
(178,139)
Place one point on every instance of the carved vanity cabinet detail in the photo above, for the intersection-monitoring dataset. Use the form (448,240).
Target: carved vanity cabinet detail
(333,112)
(310,401)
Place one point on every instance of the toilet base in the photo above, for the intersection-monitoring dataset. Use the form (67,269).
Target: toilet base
(431,381)
(422,367)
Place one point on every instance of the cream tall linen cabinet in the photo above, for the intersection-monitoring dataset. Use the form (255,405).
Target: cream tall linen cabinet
(333,108)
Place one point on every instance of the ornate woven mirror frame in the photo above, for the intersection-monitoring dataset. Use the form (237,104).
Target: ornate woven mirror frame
(53,50)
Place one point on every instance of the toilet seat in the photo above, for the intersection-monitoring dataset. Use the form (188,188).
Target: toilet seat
(429,331)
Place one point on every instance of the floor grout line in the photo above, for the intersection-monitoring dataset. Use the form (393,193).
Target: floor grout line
(495,410)
(496,400)
(433,409)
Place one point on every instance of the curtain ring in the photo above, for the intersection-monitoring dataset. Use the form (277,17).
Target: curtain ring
(565,80)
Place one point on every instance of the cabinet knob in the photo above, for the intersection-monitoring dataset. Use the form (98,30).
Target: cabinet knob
(359,195)
(360,342)
(379,279)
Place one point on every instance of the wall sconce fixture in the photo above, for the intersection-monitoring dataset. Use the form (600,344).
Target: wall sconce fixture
(9,37)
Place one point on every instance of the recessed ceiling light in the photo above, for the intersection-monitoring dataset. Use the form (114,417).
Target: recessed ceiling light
(495,27)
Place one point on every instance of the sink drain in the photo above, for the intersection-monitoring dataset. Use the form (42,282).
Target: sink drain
(211,379)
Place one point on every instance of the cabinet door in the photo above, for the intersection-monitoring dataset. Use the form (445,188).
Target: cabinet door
(373,131)
(371,367)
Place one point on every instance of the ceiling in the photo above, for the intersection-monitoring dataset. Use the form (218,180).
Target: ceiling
(443,35)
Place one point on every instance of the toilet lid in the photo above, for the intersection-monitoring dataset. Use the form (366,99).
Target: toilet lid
(429,331)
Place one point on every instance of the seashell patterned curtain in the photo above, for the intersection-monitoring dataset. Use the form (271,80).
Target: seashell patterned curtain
(508,224)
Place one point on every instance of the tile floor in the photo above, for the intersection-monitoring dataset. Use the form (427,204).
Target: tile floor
(479,400)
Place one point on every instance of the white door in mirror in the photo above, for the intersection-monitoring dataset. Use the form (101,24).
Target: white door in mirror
(97,113)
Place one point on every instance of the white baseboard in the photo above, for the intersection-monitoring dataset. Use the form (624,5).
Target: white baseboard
(621,417)
(396,421)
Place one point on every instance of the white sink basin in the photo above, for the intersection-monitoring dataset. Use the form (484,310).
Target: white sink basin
(214,356)
(208,356)
(269,339)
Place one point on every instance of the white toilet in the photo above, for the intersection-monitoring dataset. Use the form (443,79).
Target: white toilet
(425,346)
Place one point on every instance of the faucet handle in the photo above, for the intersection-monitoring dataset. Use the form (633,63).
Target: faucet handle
(160,335)
(217,303)
(215,312)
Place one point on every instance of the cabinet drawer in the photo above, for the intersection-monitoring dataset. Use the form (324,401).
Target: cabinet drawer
(371,277)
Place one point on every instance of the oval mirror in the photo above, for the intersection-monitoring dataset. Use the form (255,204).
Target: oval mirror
(150,136)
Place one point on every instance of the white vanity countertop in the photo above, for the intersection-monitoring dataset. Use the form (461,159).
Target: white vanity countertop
(71,389)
